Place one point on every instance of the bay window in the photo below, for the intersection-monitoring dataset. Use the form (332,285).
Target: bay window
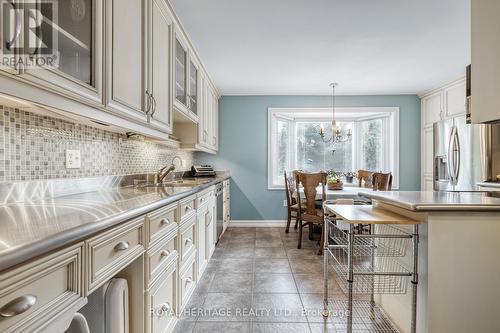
(295,143)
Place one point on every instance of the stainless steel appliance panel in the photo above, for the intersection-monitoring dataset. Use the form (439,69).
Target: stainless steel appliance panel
(220,210)
(461,154)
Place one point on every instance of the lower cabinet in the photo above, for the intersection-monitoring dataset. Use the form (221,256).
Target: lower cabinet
(42,295)
(161,301)
(187,281)
(160,260)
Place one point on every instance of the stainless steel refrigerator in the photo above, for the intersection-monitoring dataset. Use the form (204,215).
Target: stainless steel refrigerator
(462,155)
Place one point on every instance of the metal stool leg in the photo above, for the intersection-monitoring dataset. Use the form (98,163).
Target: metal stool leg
(350,278)
(326,253)
(414,279)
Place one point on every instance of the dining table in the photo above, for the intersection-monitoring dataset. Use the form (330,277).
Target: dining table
(348,192)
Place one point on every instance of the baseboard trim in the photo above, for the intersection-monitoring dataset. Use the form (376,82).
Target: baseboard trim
(257,223)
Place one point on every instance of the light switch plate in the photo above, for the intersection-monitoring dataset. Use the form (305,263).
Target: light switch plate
(73,160)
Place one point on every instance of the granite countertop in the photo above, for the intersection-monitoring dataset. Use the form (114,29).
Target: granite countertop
(436,201)
(36,227)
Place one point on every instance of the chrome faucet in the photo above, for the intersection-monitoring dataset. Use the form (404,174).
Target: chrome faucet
(166,170)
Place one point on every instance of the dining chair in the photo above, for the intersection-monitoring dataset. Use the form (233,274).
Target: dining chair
(309,214)
(365,178)
(291,203)
(382,181)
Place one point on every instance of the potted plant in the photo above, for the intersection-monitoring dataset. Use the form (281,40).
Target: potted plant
(333,181)
(349,177)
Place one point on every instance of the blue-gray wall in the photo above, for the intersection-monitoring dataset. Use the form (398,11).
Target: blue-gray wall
(243,147)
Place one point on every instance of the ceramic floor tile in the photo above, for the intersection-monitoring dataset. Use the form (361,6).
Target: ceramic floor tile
(306,265)
(272,266)
(239,252)
(274,283)
(222,327)
(184,326)
(323,328)
(232,283)
(236,266)
(226,307)
(280,328)
(313,283)
(278,308)
(270,253)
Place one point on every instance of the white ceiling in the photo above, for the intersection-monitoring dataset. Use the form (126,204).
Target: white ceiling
(296,47)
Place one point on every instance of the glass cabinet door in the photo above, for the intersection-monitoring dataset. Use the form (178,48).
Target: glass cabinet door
(66,33)
(193,88)
(180,72)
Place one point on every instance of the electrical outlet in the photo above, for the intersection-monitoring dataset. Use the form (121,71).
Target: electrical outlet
(73,160)
(285,203)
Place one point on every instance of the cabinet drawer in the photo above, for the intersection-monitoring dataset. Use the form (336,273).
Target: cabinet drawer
(204,198)
(162,299)
(187,207)
(161,255)
(161,222)
(187,239)
(187,281)
(110,252)
(38,294)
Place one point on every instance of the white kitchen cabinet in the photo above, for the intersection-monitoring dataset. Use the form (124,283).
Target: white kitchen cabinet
(210,229)
(161,32)
(432,108)
(162,301)
(203,217)
(126,59)
(226,192)
(485,73)
(428,156)
(68,50)
(454,97)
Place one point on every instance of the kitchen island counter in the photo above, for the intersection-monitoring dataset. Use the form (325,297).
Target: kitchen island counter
(426,201)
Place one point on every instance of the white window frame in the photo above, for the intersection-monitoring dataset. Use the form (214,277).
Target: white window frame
(388,114)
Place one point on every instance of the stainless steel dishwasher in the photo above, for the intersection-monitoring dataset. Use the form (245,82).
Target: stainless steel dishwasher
(220,210)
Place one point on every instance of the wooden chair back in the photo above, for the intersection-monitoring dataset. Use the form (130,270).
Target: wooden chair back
(289,189)
(365,178)
(310,183)
(382,181)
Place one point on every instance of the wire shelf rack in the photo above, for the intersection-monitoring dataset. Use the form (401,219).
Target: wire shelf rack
(363,268)
(378,247)
(366,317)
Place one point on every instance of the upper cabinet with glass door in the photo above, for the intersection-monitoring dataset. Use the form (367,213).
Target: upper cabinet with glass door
(186,79)
(63,46)
(11,37)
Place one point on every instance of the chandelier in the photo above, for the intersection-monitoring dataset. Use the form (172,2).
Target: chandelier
(337,135)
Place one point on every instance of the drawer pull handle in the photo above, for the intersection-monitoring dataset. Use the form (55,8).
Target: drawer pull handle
(188,240)
(189,281)
(122,246)
(17,306)
(165,253)
(165,307)
(165,221)
(188,208)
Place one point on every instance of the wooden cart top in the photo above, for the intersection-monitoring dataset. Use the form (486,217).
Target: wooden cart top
(368,214)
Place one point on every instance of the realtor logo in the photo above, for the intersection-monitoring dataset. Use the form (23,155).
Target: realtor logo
(29,33)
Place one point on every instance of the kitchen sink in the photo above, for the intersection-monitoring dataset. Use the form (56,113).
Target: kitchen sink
(172,183)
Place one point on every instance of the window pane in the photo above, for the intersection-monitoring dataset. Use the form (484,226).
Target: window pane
(313,155)
(282,150)
(371,145)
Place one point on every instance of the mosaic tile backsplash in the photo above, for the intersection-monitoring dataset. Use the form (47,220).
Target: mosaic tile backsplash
(33,147)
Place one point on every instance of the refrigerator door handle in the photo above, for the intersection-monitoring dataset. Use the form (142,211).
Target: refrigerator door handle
(450,156)
(456,154)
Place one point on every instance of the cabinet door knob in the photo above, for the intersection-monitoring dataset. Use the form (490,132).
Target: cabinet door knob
(17,306)
(165,253)
(188,240)
(165,221)
(165,307)
(188,208)
(189,280)
(122,246)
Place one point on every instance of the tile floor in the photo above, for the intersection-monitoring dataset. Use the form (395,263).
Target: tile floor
(258,281)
